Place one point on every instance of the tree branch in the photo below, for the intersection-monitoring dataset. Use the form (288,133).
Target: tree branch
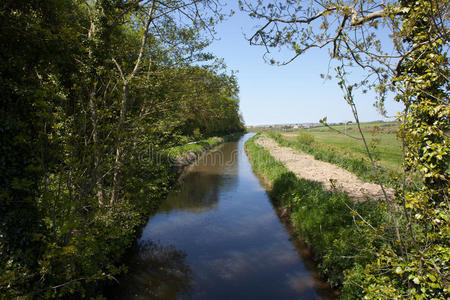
(291,21)
(355,20)
(339,32)
(120,69)
(144,40)
(305,20)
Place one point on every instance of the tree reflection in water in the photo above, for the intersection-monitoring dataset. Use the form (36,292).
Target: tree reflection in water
(158,272)
(198,194)
(214,172)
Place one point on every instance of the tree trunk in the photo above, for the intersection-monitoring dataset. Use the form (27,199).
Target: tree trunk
(120,132)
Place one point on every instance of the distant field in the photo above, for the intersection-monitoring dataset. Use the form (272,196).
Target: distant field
(388,146)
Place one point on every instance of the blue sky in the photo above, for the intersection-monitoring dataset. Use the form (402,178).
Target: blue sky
(289,94)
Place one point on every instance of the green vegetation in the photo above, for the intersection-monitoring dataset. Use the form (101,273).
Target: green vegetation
(413,66)
(383,137)
(419,255)
(386,146)
(88,87)
(194,147)
(347,159)
(325,220)
(199,146)
(385,127)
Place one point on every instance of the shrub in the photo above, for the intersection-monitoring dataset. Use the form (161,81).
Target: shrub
(305,138)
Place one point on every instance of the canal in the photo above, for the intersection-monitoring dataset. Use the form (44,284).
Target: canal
(219,237)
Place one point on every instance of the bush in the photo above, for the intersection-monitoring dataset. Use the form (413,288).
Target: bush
(305,138)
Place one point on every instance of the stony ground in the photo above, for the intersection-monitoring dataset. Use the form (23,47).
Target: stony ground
(331,176)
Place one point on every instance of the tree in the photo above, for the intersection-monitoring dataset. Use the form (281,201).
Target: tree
(36,47)
(402,46)
(85,91)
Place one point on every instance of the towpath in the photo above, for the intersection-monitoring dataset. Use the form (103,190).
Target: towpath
(331,176)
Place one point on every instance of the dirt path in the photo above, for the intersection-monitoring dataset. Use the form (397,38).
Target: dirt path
(305,166)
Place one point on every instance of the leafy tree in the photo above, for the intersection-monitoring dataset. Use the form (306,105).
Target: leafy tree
(86,91)
(402,46)
(36,47)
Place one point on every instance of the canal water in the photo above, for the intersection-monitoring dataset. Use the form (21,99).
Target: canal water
(219,237)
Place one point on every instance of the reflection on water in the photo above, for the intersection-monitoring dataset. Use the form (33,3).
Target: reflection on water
(156,272)
(219,237)
(204,180)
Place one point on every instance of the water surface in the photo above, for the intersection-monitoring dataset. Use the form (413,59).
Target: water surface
(219,237)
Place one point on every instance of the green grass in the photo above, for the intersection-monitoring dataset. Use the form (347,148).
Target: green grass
(388,148)
(323,219)
(345,158)
(384,126)
(388,151)
(194,147)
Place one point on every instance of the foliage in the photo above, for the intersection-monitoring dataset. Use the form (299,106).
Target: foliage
(198,147)
(413,260)
(88,87)
(418,266)
(193,147)
(305,138)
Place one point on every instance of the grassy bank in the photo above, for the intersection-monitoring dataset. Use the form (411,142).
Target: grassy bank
(185,154)
(352,161)
(325,220)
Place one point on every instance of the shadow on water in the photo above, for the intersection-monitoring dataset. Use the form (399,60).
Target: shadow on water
(158,272)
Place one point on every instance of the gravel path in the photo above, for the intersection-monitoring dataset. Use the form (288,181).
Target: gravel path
(305,166)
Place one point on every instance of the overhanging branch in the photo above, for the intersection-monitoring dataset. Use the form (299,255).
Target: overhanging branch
(355,20)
